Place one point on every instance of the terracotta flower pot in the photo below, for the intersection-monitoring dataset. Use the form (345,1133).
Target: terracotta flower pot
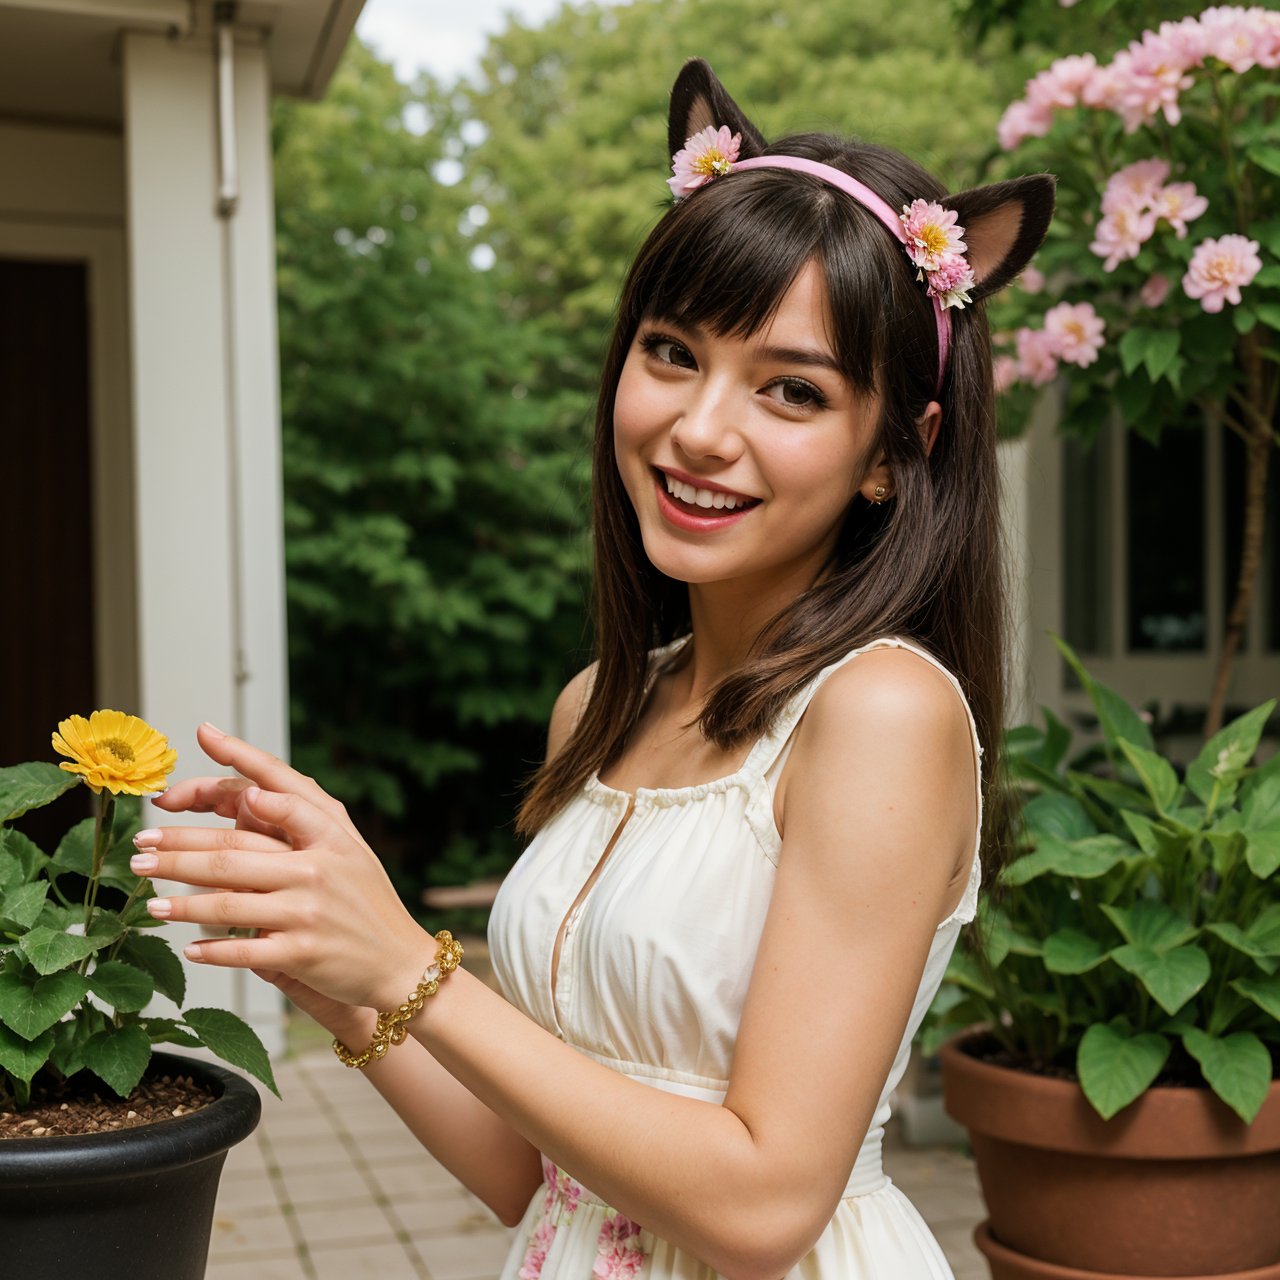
(1176,1184)
(132,1204)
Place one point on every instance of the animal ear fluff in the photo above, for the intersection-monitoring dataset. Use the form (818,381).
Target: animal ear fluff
(1004,224)
(698,99)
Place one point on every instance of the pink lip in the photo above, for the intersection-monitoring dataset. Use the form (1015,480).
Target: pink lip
(679,517)
(686,478)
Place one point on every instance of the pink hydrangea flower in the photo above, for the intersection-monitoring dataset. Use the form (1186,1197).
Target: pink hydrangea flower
(1219,269)
(1032,280)
(1020,121)
(1037,363)
(1121,234)
(1074,332)
(708,154)
(1240,38)
(620,1255)
(535,1256)
(932,234)
(1134,186)
(1155,291)
(1004,369)
(1178,204)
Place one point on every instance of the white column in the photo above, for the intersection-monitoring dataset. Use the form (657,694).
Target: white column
(206,424)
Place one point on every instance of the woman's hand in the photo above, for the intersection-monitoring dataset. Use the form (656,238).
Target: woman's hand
(294,868)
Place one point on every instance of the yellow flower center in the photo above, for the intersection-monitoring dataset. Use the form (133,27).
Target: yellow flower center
(121,750)
(933,238)
(711,164)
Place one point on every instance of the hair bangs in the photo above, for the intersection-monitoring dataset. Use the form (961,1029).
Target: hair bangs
(724,262)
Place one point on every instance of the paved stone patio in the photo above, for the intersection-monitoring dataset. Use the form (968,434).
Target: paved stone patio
(331,1186)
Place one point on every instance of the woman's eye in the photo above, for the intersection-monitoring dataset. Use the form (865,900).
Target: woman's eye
(668,351)
(795,393)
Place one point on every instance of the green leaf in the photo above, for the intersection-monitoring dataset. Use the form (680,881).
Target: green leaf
(31,1007)
(1133,348)
(1070,951)
(1114,1068)
(1161,352)
(20,859)
(156,956)
(1156,772)
(963,970)
(1170,977)
(1264,992)
(124,987)
(31,786)
(1262,851)
(23,1058)
(1222,760)
(1149,923)
(1086,859)
(1267,158)
(50,949)
(169,1031)
(1260,799)
(1260,941)
(233,1040)
(118,1056)
(1117,717)
(1268,313)
(75,849)
(23,905)
(1244,319)
(1055,814)
(69,1039)
(1237,1067)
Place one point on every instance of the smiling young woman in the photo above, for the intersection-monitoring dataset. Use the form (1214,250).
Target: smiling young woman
(760,825)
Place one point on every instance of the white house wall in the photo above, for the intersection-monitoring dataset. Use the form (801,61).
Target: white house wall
(209,546)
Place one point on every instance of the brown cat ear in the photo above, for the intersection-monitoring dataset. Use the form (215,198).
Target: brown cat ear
(698,99)
(1004,224)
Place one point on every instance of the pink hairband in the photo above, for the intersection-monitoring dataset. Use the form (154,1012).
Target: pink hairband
(927,231)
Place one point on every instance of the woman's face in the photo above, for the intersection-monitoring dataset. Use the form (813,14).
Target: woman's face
(741,457)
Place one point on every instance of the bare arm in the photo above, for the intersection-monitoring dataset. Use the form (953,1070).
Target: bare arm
(875,823)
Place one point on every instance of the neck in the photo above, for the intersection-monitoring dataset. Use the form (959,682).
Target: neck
(727,618)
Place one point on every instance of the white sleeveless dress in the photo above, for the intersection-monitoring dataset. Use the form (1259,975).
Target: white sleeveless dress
(653,973)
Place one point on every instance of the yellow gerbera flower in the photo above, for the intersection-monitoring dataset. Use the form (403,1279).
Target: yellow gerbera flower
(116,751)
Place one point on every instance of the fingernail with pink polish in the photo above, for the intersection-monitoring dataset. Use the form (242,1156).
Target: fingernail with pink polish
(142,864)
(149,837)
(160,907)
(213,728)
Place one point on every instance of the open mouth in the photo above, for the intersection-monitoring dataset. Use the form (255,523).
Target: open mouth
(707,504)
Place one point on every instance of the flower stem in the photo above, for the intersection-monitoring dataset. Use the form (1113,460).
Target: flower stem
(101,843)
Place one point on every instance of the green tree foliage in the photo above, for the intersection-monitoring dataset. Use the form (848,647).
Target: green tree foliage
(574,161)
(435,564)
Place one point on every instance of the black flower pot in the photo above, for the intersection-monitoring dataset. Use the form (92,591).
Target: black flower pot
(133,1204)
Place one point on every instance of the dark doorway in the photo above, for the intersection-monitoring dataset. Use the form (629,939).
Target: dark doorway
(46,520)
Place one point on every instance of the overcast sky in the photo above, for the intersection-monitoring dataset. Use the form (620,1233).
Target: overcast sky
(445,36)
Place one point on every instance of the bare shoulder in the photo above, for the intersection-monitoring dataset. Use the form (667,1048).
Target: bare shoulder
(568,707)
(891,714)
(889,691)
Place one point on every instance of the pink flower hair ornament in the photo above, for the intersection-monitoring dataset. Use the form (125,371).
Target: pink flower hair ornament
(929,233)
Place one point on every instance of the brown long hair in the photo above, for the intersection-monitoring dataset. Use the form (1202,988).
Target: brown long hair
(926,565)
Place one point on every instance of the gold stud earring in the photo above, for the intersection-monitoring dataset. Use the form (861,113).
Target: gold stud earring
(880,492)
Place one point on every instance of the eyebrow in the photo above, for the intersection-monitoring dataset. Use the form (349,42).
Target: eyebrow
(798,355)
(806,356)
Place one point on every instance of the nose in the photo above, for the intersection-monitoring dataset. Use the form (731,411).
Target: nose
(707,426)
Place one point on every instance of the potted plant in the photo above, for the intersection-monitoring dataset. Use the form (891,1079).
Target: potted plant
(110,1153)
(1119,1000)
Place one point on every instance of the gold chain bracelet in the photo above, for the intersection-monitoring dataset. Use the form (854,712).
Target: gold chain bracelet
(391,1025)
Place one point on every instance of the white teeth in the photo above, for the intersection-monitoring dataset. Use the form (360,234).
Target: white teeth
(707,498)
